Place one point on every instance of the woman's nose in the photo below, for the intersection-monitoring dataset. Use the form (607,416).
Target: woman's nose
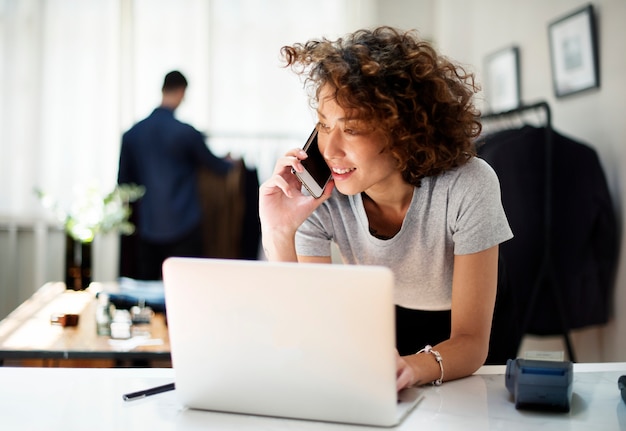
(330,143)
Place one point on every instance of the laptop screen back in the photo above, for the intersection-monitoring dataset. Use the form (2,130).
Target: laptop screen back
(309,341)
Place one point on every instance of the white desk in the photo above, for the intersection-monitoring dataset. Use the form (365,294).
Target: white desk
(91,399)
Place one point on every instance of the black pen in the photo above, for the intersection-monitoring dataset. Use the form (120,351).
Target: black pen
(147,392)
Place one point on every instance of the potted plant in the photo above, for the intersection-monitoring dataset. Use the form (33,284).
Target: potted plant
(90,214)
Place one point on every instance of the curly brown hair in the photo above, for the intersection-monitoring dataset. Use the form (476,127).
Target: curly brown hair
(420,100)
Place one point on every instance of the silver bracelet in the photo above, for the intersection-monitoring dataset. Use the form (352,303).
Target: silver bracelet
(429,349)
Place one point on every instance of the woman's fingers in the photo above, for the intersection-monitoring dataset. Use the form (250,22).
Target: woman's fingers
(291,159)
(404,373)
(277,181)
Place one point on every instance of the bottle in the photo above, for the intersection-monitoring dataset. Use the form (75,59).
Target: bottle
(103,315)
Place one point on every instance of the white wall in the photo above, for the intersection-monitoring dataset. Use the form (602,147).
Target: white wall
(469,30)
(408,15)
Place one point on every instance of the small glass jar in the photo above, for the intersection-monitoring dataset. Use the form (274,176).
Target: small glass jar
(121,324)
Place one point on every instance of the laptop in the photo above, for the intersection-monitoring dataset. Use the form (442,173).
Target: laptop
(303,341)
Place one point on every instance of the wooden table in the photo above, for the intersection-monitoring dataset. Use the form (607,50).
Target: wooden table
(27,337)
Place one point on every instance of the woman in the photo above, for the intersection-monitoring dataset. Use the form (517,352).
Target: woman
(396,127)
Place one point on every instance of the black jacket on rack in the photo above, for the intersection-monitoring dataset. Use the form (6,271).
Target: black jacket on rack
(584,232)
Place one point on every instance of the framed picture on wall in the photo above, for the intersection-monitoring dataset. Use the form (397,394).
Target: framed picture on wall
(574,52)
(502,83)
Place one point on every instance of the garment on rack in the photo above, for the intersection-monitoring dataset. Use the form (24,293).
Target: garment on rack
(230,222)
(584,232)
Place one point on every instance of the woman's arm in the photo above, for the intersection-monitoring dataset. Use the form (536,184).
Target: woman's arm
(474,285)
(314,259)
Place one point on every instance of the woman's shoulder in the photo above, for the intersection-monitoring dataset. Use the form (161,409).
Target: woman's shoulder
(475,169)
(476,165)
(473,177)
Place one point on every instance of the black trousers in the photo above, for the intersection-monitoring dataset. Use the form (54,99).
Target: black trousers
(150,255)
(417,328)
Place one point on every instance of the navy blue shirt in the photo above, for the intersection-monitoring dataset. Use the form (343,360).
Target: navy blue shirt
(164,154)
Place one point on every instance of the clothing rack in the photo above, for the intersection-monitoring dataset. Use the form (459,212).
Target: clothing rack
(547,272)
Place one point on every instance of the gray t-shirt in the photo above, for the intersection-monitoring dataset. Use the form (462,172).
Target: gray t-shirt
(457,212)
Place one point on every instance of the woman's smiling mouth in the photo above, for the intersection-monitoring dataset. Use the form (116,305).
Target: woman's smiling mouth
(342,171)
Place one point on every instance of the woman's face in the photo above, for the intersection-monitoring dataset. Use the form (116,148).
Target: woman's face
(352,150)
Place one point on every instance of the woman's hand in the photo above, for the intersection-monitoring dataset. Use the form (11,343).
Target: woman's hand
(405,377)
(281,202)
(282,205)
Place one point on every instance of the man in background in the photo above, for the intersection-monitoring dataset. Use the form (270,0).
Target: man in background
(164,155)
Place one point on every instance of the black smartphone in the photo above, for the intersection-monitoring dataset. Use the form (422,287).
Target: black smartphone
(316,172)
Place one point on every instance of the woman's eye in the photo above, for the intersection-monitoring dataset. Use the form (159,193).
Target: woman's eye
(323,126)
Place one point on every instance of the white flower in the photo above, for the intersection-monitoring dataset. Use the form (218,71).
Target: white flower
(92,213)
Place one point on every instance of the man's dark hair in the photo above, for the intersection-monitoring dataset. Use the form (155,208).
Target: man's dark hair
(174,80)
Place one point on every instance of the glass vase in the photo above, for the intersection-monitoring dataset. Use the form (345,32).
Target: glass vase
(77,263)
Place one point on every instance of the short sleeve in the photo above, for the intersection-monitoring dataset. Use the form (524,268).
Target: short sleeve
(313,237)
(476,214)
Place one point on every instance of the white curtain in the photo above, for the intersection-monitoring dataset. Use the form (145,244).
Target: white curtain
(59,101)
(74,74)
